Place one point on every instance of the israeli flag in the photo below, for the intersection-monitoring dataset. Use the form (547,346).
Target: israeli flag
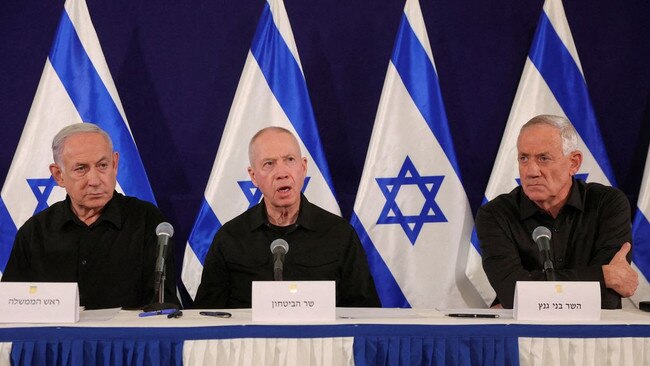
(552,83)
(641,237)
(411,211)
(76,86)
(272,92)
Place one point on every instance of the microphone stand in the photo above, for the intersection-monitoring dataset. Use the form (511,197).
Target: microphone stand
(277,270)
(548,266)
(159,292)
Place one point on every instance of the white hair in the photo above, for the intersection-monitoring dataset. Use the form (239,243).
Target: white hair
(568,133)
(58,141)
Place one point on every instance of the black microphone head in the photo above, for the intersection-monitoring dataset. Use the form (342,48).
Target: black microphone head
(165,228)
(279,246)
(541,231)
(542,237)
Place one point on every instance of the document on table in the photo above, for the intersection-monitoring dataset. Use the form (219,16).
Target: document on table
(98,315)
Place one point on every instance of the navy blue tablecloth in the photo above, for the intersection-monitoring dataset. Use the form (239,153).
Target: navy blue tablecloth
(491,344)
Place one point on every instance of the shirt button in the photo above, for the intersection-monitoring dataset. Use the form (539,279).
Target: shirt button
(560,259)
(557,230)
(83,262)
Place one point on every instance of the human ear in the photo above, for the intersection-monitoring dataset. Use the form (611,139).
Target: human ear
(57,174)
(576,161)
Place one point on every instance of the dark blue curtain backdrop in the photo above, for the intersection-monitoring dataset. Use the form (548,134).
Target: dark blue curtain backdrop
(176,65)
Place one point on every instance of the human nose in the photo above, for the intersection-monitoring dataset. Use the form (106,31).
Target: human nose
(281,170)
(532,169)
(93,177)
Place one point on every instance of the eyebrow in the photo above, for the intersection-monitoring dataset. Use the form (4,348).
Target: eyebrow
(102,159)
(291,155)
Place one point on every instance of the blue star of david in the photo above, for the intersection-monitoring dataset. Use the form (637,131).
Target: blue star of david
(42,195)
(254,195)
(581,176)
(428,185)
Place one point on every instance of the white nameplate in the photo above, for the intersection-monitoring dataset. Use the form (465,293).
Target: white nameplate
(560,300)
(39,302)
(294,301)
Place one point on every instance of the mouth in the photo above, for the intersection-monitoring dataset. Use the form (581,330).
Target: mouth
(284,189)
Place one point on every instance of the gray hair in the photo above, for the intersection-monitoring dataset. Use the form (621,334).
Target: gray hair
(58,142)
(263,131)
(568,133)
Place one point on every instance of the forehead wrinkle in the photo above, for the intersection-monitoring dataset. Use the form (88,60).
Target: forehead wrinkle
(82,162)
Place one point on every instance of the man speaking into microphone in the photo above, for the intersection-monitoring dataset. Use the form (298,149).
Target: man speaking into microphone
(589,232)
(314,244)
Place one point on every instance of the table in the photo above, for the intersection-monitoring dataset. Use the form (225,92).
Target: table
(370,337)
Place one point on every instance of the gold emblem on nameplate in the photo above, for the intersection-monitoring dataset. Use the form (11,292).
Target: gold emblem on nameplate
(559,289)
(33,289)
(293,288)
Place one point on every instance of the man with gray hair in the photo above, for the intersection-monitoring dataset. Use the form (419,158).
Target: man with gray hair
(590,222)
(101,239)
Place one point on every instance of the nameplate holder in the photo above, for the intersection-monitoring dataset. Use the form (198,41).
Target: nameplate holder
(557,301)
(39,302)
(294,301)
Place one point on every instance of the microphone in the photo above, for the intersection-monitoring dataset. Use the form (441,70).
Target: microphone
(279,247)
(164,231)
(542,236)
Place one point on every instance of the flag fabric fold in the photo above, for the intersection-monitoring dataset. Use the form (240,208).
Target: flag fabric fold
(272,91)
(552,82)
(76,86)
(641,238)
(411,211)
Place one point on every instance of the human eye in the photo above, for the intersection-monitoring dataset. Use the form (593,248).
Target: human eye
(103,165)
(267,165)
(291,160)
(80,170)
(522,158)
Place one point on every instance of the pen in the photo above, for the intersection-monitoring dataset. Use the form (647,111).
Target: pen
(473,315)
(175,315)
(157,312)
(218,314)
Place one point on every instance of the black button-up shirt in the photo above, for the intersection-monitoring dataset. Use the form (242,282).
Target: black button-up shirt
(112,260)
(322,246)
(589,230)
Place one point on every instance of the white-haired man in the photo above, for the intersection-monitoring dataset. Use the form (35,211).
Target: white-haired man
(590,222)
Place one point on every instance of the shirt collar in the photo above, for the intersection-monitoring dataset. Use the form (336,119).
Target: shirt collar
(111,213)
(528,208)
(305,215)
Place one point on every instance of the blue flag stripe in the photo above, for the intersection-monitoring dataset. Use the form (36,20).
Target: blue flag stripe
(94,104)
(557,67)
(641,235)
(205,227)
(288,85)
(413,66)
(389,292)
(474,240)
(475,243)
(7,235)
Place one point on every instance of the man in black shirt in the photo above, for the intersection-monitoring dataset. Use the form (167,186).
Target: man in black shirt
(102,240)
(590,222)
(323,246)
